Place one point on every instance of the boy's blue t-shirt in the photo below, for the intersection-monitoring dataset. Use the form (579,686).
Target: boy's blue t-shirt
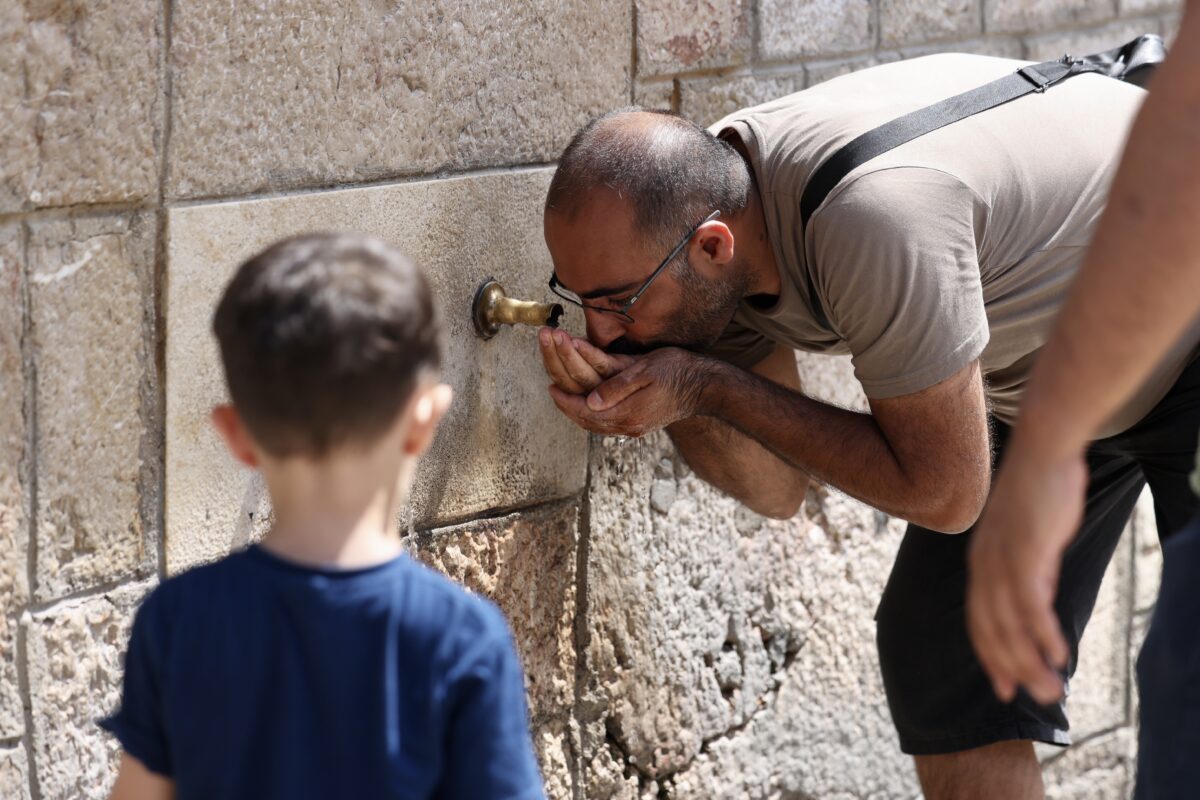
(257,678)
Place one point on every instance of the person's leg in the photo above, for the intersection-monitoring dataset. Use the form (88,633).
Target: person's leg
(941,701)
(976,774)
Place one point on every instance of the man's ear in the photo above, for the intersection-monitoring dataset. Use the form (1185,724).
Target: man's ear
(715,241)
(227,422)
(429,406)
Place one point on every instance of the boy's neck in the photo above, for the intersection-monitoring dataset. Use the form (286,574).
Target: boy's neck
(335,513)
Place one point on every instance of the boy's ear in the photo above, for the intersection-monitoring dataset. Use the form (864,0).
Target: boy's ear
(429,406)
(227,422)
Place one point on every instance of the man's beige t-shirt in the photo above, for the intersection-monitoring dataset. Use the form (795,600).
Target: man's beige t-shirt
(957,246)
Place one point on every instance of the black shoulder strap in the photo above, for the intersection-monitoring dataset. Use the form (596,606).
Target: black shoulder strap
(1133,62)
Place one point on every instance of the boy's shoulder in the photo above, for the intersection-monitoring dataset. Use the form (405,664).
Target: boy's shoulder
(453,609)
(429,601)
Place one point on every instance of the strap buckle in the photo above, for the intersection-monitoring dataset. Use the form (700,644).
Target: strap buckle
(1048,73)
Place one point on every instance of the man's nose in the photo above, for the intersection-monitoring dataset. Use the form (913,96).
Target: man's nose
(602,329)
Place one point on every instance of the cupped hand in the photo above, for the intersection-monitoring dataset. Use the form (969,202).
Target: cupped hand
(646,395)
(574,364)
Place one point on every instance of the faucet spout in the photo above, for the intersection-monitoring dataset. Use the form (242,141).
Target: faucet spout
(493,307)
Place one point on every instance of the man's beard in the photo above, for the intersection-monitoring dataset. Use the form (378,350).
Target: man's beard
(706,309)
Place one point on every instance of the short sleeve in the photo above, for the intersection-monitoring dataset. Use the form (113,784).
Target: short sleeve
(741,345)
(138,723)
(489,751)
(896,266)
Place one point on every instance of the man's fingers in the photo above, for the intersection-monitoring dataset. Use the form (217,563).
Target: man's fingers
(617,388)
(1036,607)
(583,373)
(1019,654)
(604,363)
(553,363)
(988,647)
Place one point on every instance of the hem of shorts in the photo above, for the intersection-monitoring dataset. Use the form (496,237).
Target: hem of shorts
(979,737)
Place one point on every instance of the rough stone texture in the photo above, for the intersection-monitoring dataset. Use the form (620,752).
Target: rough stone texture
(655,95)
(14,773)
(1001,48)
(721,645)
(14,533)
(1010,16)
(828,70)
(1044,48)
(1129,8)
(526,564)
(1147,557)
(682,35)
(706,101)
(92,311)
(1099,769)
(76,651)
(296,93)
(503,445)
(79,89)
(806,28)
(904,22)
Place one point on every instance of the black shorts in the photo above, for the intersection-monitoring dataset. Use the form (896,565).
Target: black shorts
(940,698)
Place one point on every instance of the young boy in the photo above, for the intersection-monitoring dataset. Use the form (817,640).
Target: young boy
(323,662)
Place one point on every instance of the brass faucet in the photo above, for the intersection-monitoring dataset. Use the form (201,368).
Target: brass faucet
(493,307)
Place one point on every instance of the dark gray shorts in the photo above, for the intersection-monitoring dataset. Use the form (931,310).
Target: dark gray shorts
(941,700)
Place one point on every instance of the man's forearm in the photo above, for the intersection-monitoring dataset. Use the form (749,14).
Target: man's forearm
(740,466)
(1139,287)
(845,449)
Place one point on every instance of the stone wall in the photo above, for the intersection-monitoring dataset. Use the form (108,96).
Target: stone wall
(676,644)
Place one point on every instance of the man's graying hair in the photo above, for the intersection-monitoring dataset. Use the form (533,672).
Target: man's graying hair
(673,171)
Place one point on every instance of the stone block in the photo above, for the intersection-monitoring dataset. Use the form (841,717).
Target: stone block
(1001,47)
(659,95)
(92,307)
(1147,555)
(1031,16)
(710,99)
(808,28)
(79,87)
(682,35)
(1131,8)
(305,93)
(525,563)
(1100,686)
(503,445)
(906,22)
(76,653)
(14,773)
(822,71)
(14,521)
(1098,769)
(721,645)
(1082,43)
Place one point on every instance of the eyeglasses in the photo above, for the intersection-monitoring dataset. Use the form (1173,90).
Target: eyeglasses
(622,311)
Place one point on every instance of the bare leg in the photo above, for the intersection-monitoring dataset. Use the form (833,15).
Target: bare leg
(1008,770)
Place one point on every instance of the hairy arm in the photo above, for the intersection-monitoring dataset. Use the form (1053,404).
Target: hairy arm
(738,464)
(1139,286)
(924,457)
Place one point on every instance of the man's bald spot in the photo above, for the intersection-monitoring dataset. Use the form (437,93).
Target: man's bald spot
(666,167)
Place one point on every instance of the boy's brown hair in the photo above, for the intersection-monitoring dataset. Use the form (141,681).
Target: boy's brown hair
(324,337)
